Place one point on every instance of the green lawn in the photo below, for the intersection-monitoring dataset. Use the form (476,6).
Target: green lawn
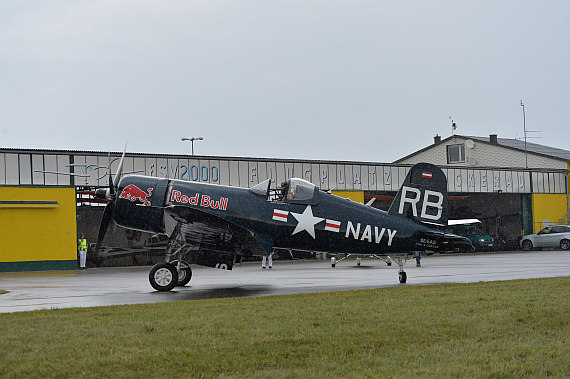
(497,329)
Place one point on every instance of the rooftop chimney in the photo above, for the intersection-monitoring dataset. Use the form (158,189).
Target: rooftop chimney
(436,139)
(493,139)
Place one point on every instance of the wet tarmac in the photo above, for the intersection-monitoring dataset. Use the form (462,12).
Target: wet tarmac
(129,285)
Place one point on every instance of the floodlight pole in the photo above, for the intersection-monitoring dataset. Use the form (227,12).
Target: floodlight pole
(192,140)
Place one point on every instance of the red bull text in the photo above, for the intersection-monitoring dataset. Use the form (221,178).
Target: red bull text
(201,200)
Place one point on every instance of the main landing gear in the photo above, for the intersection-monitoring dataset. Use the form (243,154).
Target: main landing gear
(164,276)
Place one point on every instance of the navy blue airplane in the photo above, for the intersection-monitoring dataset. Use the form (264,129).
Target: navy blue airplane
(213,225)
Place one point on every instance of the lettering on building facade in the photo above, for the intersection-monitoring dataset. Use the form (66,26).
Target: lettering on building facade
(91,170)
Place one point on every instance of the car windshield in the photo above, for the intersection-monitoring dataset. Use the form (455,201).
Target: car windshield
(467,229)
(475,229)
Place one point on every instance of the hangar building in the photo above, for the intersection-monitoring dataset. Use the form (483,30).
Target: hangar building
(544,202)
(488,178)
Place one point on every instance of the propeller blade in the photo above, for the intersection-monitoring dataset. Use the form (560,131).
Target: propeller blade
(120,169)
(111,186)
(105,220)
(108,213)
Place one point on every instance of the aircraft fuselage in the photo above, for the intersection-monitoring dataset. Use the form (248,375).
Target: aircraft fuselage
(319,222)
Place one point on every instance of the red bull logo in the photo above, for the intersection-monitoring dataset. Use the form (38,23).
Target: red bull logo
(134,193)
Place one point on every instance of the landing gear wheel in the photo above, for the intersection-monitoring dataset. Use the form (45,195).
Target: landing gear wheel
(358,261)
(565,244)
(333,261)
(527,245)
(402,276)
(185,273)
(163,276)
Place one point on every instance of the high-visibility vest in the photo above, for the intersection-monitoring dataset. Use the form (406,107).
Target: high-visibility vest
(82,244)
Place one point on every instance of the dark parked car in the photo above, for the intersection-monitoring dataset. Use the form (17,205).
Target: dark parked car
(557,236)
(472,228)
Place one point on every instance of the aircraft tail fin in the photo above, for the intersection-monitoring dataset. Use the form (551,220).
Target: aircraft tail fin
(423,195)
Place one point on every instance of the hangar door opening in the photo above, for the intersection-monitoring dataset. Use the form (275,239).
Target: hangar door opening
(502,215)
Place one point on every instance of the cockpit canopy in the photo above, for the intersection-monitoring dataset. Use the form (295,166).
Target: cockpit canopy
(300,190)
(296,191)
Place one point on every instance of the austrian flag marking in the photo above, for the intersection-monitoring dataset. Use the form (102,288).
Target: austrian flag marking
(426,174)
(332,226)
(280,215)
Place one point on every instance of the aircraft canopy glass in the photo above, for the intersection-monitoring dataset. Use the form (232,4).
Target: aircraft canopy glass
(300,190)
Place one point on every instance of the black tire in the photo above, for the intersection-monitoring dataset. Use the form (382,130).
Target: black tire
(565,244)
(402,276)
(163,276)
(527,245)
(185,273)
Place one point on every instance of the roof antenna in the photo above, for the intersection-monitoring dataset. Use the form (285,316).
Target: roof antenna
(525,134)
(453,126)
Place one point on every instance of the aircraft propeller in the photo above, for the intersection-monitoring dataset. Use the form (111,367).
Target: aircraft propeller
(109,195)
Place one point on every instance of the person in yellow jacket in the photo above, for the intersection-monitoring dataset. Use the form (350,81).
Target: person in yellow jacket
(82,248)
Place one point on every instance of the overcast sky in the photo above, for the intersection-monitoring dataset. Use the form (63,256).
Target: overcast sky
(316,79)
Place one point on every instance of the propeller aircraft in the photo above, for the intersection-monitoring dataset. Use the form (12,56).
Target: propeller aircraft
(213,225)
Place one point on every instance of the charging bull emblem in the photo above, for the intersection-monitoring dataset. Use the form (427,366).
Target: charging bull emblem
(134,193)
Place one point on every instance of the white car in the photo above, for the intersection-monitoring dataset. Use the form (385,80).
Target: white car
(557,236)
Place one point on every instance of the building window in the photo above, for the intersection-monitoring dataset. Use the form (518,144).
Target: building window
(456,153)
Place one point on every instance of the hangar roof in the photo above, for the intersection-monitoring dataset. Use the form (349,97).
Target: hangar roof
(530,147)
(509,143)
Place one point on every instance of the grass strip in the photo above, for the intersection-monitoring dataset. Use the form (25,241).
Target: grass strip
(493,329)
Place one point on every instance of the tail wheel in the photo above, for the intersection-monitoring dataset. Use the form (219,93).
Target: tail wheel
(185,273)
(527,245)
(565,244)
(163,276)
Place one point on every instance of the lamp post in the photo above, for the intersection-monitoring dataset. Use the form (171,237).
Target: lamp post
(192,140)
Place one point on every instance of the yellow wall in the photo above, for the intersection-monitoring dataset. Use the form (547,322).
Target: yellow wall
(37,228)
(548,209)
(357,196)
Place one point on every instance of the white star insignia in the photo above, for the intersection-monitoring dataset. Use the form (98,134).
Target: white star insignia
(306,221)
